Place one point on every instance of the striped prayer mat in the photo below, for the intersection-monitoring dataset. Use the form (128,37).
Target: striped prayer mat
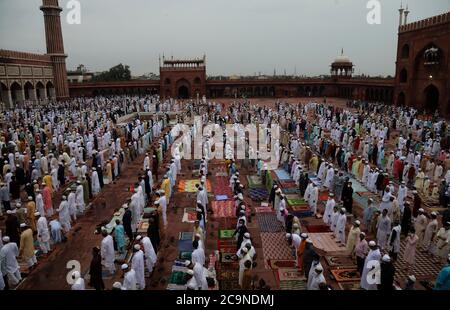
(346,274)
(268,222)
(295,285)
(290,274)
(324,242)
(274,246)
(189,216)
(282,174)
(254,181)
(222,186)
(226,234)
(189,186)
(223,208)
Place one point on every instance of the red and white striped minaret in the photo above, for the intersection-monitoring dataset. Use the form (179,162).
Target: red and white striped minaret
(55,46)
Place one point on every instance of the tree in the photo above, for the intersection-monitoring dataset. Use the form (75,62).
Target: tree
(116,73)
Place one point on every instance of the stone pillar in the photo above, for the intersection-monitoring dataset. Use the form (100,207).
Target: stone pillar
(7,98)
(32,94)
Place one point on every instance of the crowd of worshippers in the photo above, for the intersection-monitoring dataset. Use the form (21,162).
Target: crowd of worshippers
(72,149)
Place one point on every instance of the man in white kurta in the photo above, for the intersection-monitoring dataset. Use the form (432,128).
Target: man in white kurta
(317,278)
(107,252)
(373,256)
(95,182)
(71,202)
(129,279)
(64,215)
(137,263)
(383,229)
(79,198)
(43,233)
(40,202)
(329,209)
(8,261)
(340,227)
(150,255)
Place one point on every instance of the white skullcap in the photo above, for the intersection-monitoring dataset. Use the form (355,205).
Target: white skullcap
(433,213)
(124,266)
(343,209)
(247,235)
(137,247)
(288,235)
(187,263)
(37,214)
(386,258)
(30,198)
(5,239)
(9,212)
(372,243)
(23,225)
(199,201)
(117,285)
(125,206)
(139,237)
(357,222)
(240,196)
(412,278)
(190,272)
(421,210)
(304,235)
(318,267)
(245,250)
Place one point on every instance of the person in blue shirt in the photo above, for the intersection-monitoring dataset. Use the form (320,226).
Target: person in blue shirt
(443,278)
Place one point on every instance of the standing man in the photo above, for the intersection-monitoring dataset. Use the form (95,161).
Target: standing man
(107,251)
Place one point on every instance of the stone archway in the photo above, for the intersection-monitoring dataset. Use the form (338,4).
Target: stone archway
(431,94)
(29,92)
(16,92)
(183,89)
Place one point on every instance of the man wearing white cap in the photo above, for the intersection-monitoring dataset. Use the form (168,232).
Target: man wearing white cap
(78,285)
(430,232)
(394,241)
(198,255)
(137,263)
(95,182)
(43,233)
(420,224)
(64,215)
(373,256)
(150,255)
(329,209)
(313,199)
(40,202)
(26,250)
(353,237)
(71,202)
(383,229)
(387,273)
(245,257)
(245,241)
(129,279)
(443,241)
(339,232)
(316,278)
(8,261)
(107,251)
(163,204)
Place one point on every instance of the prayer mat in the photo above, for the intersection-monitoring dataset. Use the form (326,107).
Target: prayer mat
(228,257)
(366,194)
(189,216)
(221,197)
(188,186)
(357,186)
(177,277)
(276,263)
(324,242)
(197,163)
(339,261)
(317,228)
(254,181)
(295,201)
(346,274)
(303,214)
(258,194)
(226,234)
(425,267)
(185,255)
(290,190)
(360,200)
(222,186)
(268,222)
(228,274)
(290,274)
(186,235)
(296,285)
(143,226)
(282,175)
(263,210)
(350,286)
(274,246)
(185,246)
(323,195)
(224,208)
(227,243)
(300,208)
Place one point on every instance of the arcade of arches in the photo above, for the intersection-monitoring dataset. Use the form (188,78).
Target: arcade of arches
(19,91)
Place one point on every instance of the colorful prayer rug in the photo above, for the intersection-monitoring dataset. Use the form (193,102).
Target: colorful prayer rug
(258,194)
(274,246)
(296,285)
(226,234)
(295,201)
(177,277)
(223,208)
(290,274)
(185,255)
(323,195)
(189,216)
(189,186)
(346,275)
(185,246)
(221,197)
(268,222)
(222,186)
(282,174)
(290,190)
(254,181)
(317,228)
(339,261)
(263,210)
(228,257)
(186,235)
(324,242)
(276,263)
(300,208)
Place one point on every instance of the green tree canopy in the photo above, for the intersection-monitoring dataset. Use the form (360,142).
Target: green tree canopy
(117,73)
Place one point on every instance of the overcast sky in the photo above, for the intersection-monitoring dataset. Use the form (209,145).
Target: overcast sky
(237,36)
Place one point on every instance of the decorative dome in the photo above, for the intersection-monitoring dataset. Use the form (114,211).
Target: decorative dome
(342,59)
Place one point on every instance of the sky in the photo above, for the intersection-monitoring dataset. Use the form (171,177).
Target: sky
(241,37)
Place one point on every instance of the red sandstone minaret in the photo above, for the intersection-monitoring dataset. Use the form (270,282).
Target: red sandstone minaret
(55,46)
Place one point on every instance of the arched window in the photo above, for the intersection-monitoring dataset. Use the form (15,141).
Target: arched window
(403,76)
(405,51)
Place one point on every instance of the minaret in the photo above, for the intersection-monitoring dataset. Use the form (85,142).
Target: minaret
(406,16)
(400,10)
(55,46)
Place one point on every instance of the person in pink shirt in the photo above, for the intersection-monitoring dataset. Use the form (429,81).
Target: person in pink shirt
(361,250)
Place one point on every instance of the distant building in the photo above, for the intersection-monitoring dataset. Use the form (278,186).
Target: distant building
(80,75)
